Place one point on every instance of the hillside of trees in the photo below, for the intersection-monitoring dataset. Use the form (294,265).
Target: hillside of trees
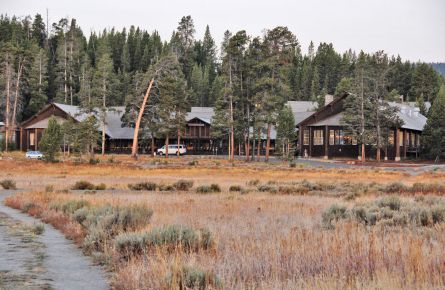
(248,79)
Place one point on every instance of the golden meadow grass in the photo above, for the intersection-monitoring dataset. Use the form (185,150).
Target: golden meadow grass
(261,240)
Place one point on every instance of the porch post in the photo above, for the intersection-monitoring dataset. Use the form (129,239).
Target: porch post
(404,144)
(36,139)
(21,139)
(310,141)
(300,141)
(397,144)
(326,143)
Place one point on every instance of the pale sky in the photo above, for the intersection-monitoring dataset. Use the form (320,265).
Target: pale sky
(415,29)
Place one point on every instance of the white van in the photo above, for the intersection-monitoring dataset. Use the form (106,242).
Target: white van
(172,150)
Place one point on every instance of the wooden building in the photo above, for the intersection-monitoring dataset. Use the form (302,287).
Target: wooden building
(118,138)
(322,134)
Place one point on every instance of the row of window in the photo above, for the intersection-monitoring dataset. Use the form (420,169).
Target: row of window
(338,137)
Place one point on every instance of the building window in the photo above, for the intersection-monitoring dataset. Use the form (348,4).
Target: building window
(418,140)
(318,137)
(401,138)
(306,137)
(331,137)
(31,138)
(413,139)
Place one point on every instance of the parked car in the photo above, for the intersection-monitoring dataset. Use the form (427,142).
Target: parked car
(34,155)
(172,150)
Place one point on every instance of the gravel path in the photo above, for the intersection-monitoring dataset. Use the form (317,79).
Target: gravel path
(52,262)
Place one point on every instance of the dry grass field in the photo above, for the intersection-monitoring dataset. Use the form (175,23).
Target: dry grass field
(260,226)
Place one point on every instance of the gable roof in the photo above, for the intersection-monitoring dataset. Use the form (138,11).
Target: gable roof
(204,114)
(301,109)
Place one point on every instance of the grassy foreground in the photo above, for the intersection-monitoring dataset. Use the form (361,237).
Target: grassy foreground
(252,226)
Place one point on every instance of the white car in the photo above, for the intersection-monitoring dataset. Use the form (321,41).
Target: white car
(34,155)
(172,150)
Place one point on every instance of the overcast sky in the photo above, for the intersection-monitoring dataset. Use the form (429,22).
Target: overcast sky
(415,29)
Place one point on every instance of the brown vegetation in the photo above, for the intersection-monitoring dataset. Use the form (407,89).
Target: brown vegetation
(264,228)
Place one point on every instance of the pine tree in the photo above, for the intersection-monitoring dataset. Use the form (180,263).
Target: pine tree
(434,132)
(286,134)
(37,81)
(51,140)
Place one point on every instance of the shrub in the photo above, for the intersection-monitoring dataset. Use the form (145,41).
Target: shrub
(363,216)
(427,188)
(393,202)
(8,184)
(292,164)
(208,188)
(183,185)
(37,228)
(94,161)
(86,185)
(193,162)
(438,214)
(215,187)
(105,222)
(299,190)
(253,182)
(235,188)
(70,206)
(171,236)
(333,214)
(150,186)
(191,277)
(395,187)
(27,206)
(128,244)
(267,188)
(166,187)
(49,188)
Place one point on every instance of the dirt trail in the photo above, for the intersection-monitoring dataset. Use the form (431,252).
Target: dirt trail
(47,261)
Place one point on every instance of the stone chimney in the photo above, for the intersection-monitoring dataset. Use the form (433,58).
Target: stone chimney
(328,99)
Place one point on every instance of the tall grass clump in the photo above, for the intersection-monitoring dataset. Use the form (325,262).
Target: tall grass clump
(213,188)
(149,186)
(192,277)
(183,185)
(334,214)
(8,184)
(86,185)
(169,236)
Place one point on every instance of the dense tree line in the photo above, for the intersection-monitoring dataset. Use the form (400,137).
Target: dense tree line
(248,81)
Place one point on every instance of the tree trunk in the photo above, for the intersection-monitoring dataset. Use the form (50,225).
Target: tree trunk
(134,150)
(64,71)
(268,142)
(8,92)
(152,146)
(179,142)
(247,145)
(71,73)
(166,146)
(104,112)
(378,131)
(363,152)
(16,97)
(259,144)
(232,137)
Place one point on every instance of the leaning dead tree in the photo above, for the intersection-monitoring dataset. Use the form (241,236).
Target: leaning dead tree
(134,151)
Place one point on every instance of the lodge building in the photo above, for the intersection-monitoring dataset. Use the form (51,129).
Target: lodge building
(322,134)
(320,131)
